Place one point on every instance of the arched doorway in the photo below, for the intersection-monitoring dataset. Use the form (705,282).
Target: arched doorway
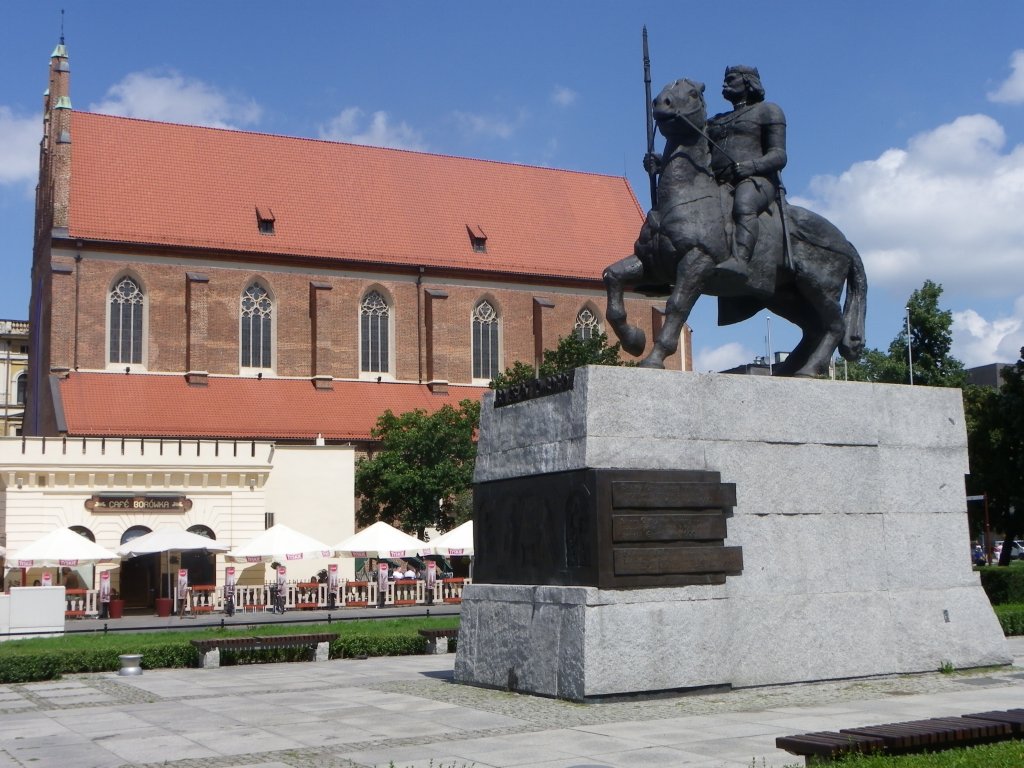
(81,530)
(140,576)
(202,566)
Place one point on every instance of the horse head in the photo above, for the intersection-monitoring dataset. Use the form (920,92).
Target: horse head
(679,109)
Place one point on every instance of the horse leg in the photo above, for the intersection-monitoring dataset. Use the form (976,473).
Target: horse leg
(823,333)
(690,274)
(625,272)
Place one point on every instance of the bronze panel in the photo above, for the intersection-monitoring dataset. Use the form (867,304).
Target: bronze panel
(637,561)
(668,527)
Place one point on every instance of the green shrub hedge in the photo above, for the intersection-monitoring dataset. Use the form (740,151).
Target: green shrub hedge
(1011,617)
(27,664)
(1002,584)
(23,661)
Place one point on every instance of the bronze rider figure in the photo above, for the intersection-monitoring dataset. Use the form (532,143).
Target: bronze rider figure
(748,150)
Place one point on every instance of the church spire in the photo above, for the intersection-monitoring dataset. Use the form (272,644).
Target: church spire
(56,146)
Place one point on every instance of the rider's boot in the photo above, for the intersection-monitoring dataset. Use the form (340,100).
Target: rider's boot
(737,266)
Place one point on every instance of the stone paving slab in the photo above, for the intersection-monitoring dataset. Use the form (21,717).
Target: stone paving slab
(355,714)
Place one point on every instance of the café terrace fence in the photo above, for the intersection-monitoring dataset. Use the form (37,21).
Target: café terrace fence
(299,595)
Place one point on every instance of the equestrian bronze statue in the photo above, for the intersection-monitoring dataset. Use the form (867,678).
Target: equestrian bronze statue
(720,226)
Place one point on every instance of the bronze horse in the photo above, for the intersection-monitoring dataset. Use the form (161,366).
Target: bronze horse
(688,234)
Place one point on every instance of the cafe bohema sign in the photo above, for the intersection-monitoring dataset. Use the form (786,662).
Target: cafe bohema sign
(126,502)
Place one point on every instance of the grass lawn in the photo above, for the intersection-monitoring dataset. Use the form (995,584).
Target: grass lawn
(1007,754)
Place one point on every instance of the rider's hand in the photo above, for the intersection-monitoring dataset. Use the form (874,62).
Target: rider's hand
(744,169)
(652,162)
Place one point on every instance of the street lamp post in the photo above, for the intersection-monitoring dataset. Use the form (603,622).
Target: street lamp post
(910,354)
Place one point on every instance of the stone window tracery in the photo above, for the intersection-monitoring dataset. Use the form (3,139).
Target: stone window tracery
(587,326)
(257,327)
(126,306)
(486,337)
(374,333)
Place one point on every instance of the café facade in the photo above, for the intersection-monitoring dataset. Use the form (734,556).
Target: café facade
(114,490)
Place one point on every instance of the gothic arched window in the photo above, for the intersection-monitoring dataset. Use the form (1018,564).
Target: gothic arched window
(257,327)
(126,305)
(374,333)
(486,334)
(587,326)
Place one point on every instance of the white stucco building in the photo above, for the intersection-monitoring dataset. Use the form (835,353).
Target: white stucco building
(112,490)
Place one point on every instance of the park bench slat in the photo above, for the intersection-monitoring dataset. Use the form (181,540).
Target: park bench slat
(910,736)
(828,743)
(434,634)
(264,641)
(978,728)
(1012,717)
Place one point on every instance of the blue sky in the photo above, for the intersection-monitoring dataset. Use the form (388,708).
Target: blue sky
(906,120)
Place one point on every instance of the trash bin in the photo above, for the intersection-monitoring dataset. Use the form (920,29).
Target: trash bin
(164,605)
(116,609)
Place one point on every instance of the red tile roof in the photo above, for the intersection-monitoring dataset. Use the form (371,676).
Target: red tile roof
(148,405)
(135,181)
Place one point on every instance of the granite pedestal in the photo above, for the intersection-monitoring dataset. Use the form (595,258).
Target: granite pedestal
(849,509)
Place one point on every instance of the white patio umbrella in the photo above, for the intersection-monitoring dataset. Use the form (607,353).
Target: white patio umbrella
(380,540)
(170,540)
(457,541)
(279,542)
(167,540)
(61,546)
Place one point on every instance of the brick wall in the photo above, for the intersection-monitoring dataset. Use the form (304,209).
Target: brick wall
(174,289)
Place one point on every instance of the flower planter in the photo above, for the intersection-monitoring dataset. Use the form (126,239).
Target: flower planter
(164,605)
(116,609)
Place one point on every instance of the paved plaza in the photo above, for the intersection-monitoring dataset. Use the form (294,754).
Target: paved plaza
(407,711)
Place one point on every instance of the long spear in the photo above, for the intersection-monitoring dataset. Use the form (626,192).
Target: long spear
(649,108)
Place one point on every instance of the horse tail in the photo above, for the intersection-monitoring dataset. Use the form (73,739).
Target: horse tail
(855,307)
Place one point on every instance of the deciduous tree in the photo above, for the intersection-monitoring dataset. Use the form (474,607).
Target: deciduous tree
(995,430)
(931,338)
(571,352)
(419,476)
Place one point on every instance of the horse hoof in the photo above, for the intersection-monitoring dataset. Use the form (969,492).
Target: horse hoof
(633,341)
(649,363)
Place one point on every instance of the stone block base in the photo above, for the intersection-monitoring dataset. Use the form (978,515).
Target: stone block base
(582,643)
(850,510)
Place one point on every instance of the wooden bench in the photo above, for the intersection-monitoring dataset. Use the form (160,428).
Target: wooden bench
(914,736)
(318,645)
(433,635)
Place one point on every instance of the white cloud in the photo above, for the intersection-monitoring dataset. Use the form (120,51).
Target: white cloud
(563,97)
(721,358)
(350,126)
(19,147)
(171,97)
(1011,91)
(946,208)
(977,341)
(489,126)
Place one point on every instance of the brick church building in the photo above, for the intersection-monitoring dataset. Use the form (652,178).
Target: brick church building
(191,282)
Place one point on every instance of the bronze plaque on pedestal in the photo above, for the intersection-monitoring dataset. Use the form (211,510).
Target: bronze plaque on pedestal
(605,528)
